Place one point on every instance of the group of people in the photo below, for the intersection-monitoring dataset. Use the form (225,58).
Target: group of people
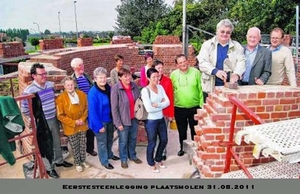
(222,59)
(91,108)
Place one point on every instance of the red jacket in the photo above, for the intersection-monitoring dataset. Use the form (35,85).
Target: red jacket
(168,87)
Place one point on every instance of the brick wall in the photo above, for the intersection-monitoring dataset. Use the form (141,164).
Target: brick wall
(55,75)
(11,49)
(84,42)
(122,40)
(95,56)
(48,44)
(271,103)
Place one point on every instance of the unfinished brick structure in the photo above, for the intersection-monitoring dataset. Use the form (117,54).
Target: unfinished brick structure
(11,49)
(271,103)
(48,44)
(84,42)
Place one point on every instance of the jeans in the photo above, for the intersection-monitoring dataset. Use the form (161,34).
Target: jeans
(183,117)
(156,128)
(127,141)
(157,142)
(105,142)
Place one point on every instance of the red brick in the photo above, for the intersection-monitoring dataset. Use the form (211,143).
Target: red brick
(270,102)
(287,101)
(260,109)
(261,95)
(217,168)
(294,114)
(279,115)
(220,117)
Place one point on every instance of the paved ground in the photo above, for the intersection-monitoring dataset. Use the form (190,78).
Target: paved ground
(177,167)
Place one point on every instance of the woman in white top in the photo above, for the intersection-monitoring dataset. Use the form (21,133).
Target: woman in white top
(155,100)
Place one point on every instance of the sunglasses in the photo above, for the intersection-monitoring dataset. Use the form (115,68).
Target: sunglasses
(226,32)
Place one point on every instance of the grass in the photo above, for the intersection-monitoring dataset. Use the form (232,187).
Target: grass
(100,44)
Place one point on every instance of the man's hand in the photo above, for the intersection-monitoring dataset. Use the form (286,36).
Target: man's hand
(234,78)
(258,81)
(222,75)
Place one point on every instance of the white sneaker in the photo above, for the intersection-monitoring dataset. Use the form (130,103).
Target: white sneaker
(154,169)
(161,165)
(86,165)
(79,168)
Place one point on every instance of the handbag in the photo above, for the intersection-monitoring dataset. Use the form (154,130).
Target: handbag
(140,112)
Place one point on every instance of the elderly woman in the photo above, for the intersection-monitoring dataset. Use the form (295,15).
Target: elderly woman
(123,96)
(221,59)
(72,113)
(155,100)
(100,120)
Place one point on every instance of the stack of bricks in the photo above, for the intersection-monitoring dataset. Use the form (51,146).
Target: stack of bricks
(81,42)
(167,53)
(122,40)
(271,103)
(48,44)
(11,49)
(167,40)
(53,74)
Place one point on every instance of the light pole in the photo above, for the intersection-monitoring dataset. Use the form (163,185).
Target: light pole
(37,26)
(75,18)
(33,30)
(59,22)
(184,31)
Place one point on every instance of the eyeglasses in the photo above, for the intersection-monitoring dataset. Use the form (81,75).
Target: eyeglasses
(226,32)
(41,74)
(275,38)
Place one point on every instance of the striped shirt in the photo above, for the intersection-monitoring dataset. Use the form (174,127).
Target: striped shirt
(83,84)
(46,95)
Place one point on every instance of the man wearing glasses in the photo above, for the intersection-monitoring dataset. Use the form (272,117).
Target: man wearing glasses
(45,91)
(282,60)
(221,59)
(188,97)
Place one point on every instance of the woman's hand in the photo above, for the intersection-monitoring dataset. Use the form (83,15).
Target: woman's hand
(102,130)
(79,122)
(121,128)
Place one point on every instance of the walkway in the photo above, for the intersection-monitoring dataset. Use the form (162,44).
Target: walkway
(177,167)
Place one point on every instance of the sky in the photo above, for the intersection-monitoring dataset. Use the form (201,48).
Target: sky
(34,15)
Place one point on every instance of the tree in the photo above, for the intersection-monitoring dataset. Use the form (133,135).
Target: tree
(154,29)
(267,15)
(47,32)
(134,15)
(34,42)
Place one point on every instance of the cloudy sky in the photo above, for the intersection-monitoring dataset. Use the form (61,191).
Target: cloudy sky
(95,15)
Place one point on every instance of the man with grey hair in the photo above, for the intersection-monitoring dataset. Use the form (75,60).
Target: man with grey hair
(258,60)
(84,83)
(221,59)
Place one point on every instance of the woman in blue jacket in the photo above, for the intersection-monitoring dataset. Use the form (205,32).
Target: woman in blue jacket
(99,117)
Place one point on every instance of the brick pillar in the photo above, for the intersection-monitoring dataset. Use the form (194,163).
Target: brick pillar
(271,103)
(11,49)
